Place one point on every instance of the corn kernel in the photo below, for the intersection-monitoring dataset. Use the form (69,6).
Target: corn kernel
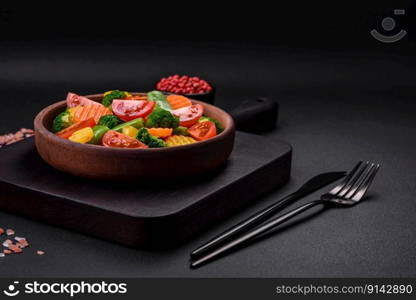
(82,136)
(179,140)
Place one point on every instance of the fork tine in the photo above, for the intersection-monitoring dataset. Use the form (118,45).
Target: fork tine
(359,182)
(347,178)
(366,184)
(353,180)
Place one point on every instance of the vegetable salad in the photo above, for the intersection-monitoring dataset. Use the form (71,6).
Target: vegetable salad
(123,120)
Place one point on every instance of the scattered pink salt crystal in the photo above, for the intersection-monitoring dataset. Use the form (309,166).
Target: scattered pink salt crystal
(15,248)
(40,252)
(22,243)
(6,243)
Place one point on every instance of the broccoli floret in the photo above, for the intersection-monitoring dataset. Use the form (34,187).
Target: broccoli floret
(217,123)
(160,118)
(110,121)
(108,98)
(62,121)
(181,131)
(151,141)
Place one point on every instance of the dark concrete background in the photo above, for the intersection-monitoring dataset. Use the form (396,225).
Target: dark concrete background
(338,105)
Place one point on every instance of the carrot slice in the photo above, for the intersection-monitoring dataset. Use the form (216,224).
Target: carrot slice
(95,111)
(178,101)
(137,97)
(67,132)
(160,132)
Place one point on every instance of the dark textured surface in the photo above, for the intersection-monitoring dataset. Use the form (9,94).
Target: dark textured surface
(335,108)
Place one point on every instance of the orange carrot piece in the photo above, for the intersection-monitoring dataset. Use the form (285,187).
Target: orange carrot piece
(160,132)
(137,97)
(67,132)
(85,112)
(93,111)
(178,101)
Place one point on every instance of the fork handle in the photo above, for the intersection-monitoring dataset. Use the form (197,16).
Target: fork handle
(256,232)
(244,225)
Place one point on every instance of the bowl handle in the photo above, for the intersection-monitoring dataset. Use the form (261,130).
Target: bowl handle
(256,115)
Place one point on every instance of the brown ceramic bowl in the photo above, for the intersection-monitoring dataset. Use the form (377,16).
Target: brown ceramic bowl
(105,163)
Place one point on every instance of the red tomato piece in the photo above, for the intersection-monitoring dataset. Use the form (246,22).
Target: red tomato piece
(118,140)
(189,115)
(203,131)
(67,132)
(132,109)
(73,100)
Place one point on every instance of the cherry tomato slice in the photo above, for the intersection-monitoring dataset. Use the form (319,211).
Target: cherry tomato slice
(203,131)
(189,115)
(67,132)
(118,140)
(73,100)
(128,110)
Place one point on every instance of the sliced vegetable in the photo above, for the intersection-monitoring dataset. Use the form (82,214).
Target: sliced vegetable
(132,109)
(181,130)
(217,123)
(130,131)
(110,121)
(99,131)
(62,121)
(73,100)
(160,99)
(151,141)
(161,118)
(189,115)
(109,96)
(136,123)
(203,131)
(136,97)
(160,132)
(67,132)
(178,101)
(179,140)
(117,140)
(92,110)
(82,136)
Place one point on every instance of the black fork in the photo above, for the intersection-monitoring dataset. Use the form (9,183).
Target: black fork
(349,192)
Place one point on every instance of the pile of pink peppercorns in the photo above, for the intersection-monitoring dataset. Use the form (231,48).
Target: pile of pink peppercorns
(182,85)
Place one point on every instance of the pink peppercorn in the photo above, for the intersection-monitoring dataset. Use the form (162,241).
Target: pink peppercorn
(183,85)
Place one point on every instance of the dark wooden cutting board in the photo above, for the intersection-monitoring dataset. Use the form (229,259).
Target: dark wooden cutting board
(141,215)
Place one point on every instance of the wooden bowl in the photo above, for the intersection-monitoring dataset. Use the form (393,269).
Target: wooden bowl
(105,163)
